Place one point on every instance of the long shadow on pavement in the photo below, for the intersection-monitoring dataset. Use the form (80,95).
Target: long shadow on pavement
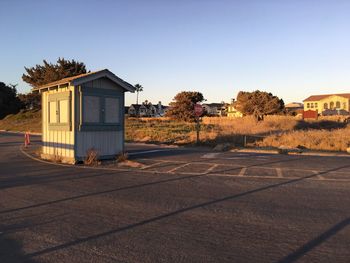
(174,213)
(107,191)
(301,251)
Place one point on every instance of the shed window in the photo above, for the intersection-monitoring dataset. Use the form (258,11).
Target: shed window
(52,112)
(59,111)
(63,111)
(91,109)
(112,110)
(101,109)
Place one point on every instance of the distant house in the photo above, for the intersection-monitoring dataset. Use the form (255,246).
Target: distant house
(232,112)
(294,108)
(214,109)
(329,104)
(147,109)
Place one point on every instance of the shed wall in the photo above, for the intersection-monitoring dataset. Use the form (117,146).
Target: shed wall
(57,142)
(106,143)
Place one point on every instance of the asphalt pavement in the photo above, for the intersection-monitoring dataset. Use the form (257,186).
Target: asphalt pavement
(183,205)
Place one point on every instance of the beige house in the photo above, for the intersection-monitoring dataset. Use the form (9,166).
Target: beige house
(232,112)
(81,113)
(327,103)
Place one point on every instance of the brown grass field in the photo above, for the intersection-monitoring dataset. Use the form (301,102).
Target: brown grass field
(330,134)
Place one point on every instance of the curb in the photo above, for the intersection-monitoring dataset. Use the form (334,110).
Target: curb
(292,152)
(20,132)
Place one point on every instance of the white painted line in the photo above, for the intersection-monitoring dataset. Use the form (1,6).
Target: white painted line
(151,165)
(318,176)
(180,166)
(211,168)
(143,152)
(210,155)
(279,172)
(242,172)
(244,157)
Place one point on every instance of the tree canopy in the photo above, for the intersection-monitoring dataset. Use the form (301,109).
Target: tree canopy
(30,101)
(9,102)
(258,104)
(48,72)
(138,88)
(182,106)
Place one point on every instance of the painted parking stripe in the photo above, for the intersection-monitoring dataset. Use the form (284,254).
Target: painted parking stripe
(178,167)
(318,176)
(211,168)
(151,165)
(279,172)
(242,172)
(210,155)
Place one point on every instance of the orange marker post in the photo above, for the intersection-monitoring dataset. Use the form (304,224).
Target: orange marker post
(26,139)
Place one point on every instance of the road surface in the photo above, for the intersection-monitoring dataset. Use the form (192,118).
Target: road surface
(183,206)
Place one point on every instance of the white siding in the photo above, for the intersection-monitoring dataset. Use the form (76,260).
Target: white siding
(55,142)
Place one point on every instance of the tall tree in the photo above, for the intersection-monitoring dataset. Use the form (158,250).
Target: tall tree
(138,89)
(182,106)
(9,102)
(258,104)
(30,101)
(48,72)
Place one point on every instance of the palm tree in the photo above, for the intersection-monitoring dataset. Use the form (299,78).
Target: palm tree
(138,88)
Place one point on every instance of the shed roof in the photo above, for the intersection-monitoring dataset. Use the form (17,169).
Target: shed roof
(320,97)
(82,78)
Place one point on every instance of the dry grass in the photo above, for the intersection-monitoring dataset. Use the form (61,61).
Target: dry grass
(22,121)
(91,158)
(213,129)
(122,157)
(329,140)
(326,133)
(275,131)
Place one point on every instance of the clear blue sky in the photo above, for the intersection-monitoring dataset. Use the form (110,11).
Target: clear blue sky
(291,48)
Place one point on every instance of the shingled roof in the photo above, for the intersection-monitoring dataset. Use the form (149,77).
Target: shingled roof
(321,97)
(82,78)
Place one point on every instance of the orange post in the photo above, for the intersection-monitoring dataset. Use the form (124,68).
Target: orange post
(26,139)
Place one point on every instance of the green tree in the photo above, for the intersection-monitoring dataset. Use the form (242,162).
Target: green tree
(48,72)
(138,88)
(30,101)
(258,104)
(9,102)
(182,106)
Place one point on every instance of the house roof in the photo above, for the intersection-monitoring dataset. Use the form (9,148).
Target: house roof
(294,105)
(320,97)
(82,78)
(135,106)
(214,104)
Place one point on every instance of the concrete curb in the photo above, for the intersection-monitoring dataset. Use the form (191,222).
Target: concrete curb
(19,132)
(292,152)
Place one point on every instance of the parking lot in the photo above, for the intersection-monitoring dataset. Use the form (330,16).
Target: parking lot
(182,205)
(248,165)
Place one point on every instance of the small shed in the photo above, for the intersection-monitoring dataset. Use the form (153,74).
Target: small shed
(82,113)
